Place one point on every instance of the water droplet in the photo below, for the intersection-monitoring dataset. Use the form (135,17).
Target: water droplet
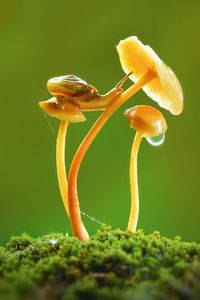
(53,241)
(156,140)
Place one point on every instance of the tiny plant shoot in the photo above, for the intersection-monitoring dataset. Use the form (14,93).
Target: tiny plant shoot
(73,95)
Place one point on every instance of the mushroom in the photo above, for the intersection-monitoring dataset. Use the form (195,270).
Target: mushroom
(71,95)
(149,123)
(149,72)
(66,112)
(91,101)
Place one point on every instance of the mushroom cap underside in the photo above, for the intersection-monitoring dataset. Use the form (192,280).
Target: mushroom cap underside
(165,89)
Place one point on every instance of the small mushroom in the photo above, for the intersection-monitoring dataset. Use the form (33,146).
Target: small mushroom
(66,112)
(149,123)
(150,73)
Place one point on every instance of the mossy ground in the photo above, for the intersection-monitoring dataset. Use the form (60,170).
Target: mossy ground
(112,265)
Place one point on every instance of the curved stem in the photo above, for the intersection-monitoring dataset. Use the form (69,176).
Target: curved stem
(61,170)
(74,209)
(133,219)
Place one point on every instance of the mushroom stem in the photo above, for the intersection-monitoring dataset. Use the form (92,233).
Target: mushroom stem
(61,170)
(60,163)
(74,209)
(144,79)
(133,219)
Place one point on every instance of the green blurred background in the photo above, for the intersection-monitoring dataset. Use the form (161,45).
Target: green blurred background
(46,38)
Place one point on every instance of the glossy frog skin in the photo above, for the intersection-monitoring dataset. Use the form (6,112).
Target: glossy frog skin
(82,94)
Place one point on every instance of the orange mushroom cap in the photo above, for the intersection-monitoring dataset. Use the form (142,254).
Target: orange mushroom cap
(64,111)
(147,120)
(165,89)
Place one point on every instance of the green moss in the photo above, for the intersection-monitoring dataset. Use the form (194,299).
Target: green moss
(112,265)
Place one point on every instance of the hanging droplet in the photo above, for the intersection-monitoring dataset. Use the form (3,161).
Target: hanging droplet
(156,140)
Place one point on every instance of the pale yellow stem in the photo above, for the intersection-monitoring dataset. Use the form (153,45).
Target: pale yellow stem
(61,170)
(60,163)
(133,219)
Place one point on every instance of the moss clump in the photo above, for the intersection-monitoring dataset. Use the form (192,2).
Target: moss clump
(112,265)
